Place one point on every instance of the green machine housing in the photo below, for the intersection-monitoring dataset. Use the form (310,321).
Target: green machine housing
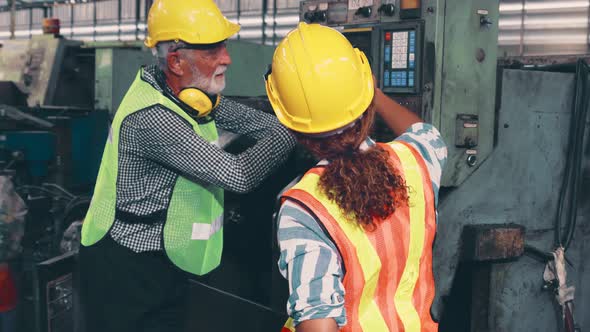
(438,60)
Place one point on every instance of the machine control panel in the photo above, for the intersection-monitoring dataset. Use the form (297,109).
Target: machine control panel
(387,9)
(400,61)
(342,12)
(420,59)
(394,46)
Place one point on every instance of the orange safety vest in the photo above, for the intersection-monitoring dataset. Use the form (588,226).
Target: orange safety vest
(389,281)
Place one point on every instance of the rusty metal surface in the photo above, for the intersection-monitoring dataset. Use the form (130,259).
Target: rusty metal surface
(481,274)
(511,61)
(493,242)
(518,184)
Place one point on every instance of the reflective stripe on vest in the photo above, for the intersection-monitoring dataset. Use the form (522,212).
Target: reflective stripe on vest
(193,230)
(289,326)
(389,282)
(205,231)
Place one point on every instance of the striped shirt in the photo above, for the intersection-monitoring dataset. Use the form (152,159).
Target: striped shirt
(310,261)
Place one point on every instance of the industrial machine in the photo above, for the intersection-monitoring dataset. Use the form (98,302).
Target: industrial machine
(51,139)
(428,55)
(513,133)
(439,59)
(57,97)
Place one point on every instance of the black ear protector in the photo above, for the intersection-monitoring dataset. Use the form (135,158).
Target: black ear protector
(199,100)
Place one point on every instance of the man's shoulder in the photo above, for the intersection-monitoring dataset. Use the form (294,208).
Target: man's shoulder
(155,115)
(150,75)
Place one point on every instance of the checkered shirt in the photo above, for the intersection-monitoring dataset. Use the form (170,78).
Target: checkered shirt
(156,145)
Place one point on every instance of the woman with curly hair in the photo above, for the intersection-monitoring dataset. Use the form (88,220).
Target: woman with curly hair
(356,231)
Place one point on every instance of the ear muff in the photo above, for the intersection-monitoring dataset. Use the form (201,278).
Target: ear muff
(199,100)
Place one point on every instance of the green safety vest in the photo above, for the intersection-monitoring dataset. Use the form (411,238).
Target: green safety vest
(193,230)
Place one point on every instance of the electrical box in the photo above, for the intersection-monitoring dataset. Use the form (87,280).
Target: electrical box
(436,57)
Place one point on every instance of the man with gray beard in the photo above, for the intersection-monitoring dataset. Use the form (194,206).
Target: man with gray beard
(157,211)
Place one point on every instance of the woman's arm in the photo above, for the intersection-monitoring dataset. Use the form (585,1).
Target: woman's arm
(397,117)
(318,325)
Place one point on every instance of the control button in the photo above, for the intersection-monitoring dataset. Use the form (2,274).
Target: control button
(365,11)
(315,16)
(387,9)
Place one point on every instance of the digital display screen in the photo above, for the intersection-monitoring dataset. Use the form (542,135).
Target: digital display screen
(399,47)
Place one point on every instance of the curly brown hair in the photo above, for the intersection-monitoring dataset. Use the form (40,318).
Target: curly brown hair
(364,184)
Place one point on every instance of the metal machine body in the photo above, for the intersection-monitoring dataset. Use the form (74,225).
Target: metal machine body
(428,58)
(51,140)
(52,132)
(56,101)
(50,71)
(520,184)
(507,139)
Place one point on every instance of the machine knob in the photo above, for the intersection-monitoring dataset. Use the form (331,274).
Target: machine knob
(485,22)
(388,9)
(365,11)
(315,16)
(484,19)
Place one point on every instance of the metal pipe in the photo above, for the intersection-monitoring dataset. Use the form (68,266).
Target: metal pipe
(72,21)
(274,22)
(119,9)
(12,18)
(30,22)
(94,20)
(264,11)
(588,27)
(239,12)
(522,17)
(137,14)
(148,5)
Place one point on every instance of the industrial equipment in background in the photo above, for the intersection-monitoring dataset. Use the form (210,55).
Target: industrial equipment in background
(410,43)
(57,97)
(497,201)
(51,139)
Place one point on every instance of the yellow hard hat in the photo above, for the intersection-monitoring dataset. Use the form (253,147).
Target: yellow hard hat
(192,21)
(318,82)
